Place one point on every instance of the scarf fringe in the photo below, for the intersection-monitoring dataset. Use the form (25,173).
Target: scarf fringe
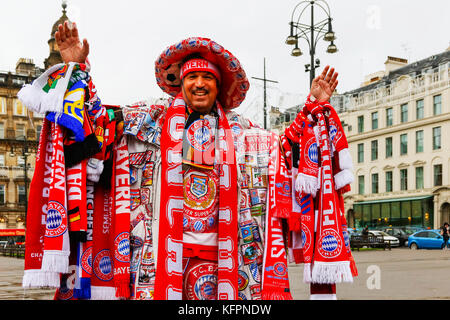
(330,296)
(35,278)
(122,289)
(307,184)
(32,98)
(276,295)
(331,272)
(103,293)
(343,178)
(307,273)
(345,159)
(55,261)
(85,291)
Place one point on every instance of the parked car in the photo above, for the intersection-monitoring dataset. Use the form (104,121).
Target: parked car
(3,243)
(426,239)
(399,233)
(386,237)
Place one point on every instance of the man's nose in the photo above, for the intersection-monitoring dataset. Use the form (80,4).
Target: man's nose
(200,82)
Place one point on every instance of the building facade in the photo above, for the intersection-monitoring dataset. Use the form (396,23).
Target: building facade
(19,135)
(396,125)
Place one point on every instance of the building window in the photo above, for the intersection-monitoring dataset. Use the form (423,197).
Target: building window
(403,179)
(388,181)
(2,131)
(2,159)
(388,147)
(21,194)
(20,130)
(374,182)
(419,141)
(419,177)
(437,173)
(2,105)
(38,131)
(374,120)
(436,138)
(389,117)
(361,184)
(419,109)
(403,144)
(19,108)
(374,149)
(404,113)
(2,194)
(361,153)
(437,105)
(360,124)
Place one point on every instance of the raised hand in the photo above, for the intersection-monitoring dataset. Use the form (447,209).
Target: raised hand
(70,47)
(323,86)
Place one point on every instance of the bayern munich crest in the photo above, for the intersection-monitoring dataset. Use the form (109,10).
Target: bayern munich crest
(86,260)
(201,283)
(122,243)
(199,135)
(103,268)
(312,153)
(56,217)
(280,269)
(330,244)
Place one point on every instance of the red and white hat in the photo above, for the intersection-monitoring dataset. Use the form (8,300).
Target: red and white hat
(225,66)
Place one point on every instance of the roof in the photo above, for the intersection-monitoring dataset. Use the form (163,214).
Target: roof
(412,68)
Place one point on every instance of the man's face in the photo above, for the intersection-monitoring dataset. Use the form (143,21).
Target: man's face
(200,90)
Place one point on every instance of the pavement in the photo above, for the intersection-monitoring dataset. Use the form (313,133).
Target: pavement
(399,274)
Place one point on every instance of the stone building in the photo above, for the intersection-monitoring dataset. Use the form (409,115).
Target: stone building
(19,135)
(396,124)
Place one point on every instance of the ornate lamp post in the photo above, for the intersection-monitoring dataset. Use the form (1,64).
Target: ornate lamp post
(312,33)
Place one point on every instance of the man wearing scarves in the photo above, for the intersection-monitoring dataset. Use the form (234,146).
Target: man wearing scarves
(218,206)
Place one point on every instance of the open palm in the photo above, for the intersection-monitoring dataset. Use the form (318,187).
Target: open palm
(70,47)
(323,86)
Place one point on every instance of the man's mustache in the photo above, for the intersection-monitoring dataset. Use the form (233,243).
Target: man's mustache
(202,90)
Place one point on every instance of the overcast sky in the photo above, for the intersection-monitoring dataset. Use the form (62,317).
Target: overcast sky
(126,37)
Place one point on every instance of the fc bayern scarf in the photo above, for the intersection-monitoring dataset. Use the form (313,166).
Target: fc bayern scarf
(331,262)
(56,239)
(169,272)
(37,213)
(275,285)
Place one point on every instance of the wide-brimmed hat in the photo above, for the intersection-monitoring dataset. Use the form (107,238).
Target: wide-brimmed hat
(234,83)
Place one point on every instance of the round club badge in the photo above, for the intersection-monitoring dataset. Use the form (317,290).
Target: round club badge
(103,266)
(242,280)
(279,269)
(311,153)
(330,244)
(201,281)
(122,243)
(86,260)
(199,135)
(56,219)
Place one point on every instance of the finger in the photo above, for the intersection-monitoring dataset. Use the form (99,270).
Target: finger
(74,30)
(67,30)
(57,38)
(333,78)
(333,87)
(62,33)
(329,75)
(85,47)
(324,72)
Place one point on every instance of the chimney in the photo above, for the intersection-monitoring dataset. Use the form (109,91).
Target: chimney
(393,63)
(25,67)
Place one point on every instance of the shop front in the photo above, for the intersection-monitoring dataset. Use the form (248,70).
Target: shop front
(401,212)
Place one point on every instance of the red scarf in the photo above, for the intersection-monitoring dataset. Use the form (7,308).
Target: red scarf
(37,213)
(275,285)
(76,201)
(169,272)
(102,282)
(331,261)
(121,221)
(56,241)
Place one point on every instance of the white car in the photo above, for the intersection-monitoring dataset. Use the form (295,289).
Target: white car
(393,240)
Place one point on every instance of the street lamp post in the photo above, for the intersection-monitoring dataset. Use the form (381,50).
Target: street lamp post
(311,33)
